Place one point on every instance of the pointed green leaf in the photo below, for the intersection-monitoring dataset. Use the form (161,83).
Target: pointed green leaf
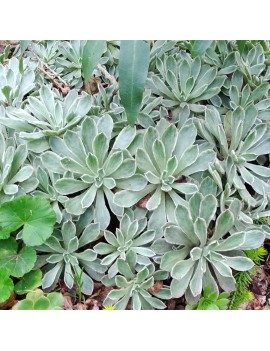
(92,53)
(133,69)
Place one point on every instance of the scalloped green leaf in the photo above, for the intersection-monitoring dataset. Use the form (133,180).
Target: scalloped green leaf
(17,263)
(34,214)
(6,285)
(29,282)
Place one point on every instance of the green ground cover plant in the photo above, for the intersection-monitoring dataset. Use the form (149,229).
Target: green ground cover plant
(138,166)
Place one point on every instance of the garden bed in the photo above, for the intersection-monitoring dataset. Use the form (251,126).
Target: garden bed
(134,175)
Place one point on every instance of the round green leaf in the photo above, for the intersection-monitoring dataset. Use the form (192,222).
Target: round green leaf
(29,282)
(43,303)
(6,285)
(17,263)
(56,300)
(33,213)
(34,295)
(24,305)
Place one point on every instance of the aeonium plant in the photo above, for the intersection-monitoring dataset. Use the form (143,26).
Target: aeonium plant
(188,82)
(239,138)
(67,254)
(132,235)
(17,79)
(16,175)
(137,287)
(97,168)
(47,115)
(167,161)
(199,253)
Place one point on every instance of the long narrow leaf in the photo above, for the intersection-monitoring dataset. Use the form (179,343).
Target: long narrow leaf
(92,53)
(133,69)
